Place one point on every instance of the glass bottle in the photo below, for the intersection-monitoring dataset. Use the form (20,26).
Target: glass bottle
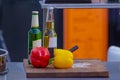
(34,34)
(50,36)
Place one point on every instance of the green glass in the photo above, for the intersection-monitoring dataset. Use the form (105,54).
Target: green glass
(34,34)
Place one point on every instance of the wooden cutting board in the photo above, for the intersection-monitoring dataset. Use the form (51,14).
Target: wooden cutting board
(81,68)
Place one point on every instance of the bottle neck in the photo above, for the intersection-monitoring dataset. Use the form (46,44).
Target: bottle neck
(50,25)
(35,21)
(50,19)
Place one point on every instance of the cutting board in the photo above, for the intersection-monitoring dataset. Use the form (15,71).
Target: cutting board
(80,68)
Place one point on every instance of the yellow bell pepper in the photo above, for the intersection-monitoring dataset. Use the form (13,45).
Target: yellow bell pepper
(63,59)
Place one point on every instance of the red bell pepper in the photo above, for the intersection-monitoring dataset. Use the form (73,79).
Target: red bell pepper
(39,57)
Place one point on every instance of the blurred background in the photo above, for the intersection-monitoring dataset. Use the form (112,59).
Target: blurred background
(15,21)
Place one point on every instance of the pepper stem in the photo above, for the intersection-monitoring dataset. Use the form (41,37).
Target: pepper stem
(73,48)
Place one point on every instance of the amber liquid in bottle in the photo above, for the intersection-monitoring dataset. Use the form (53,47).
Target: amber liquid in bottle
(50,36)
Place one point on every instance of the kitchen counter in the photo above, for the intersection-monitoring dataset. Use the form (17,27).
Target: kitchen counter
(16,72)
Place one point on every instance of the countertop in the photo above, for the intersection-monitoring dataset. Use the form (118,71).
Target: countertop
(16,72)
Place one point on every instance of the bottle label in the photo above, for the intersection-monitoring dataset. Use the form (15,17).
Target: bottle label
(35,22)
(37,43)
(52,42)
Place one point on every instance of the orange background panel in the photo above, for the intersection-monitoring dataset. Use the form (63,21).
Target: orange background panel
(87,28)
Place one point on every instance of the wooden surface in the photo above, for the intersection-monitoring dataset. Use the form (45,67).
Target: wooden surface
(81,68)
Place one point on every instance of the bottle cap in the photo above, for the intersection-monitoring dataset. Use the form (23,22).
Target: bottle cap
(35,12)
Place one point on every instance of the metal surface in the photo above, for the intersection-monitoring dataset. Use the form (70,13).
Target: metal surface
(16,72)
(86,5)
(3,45)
